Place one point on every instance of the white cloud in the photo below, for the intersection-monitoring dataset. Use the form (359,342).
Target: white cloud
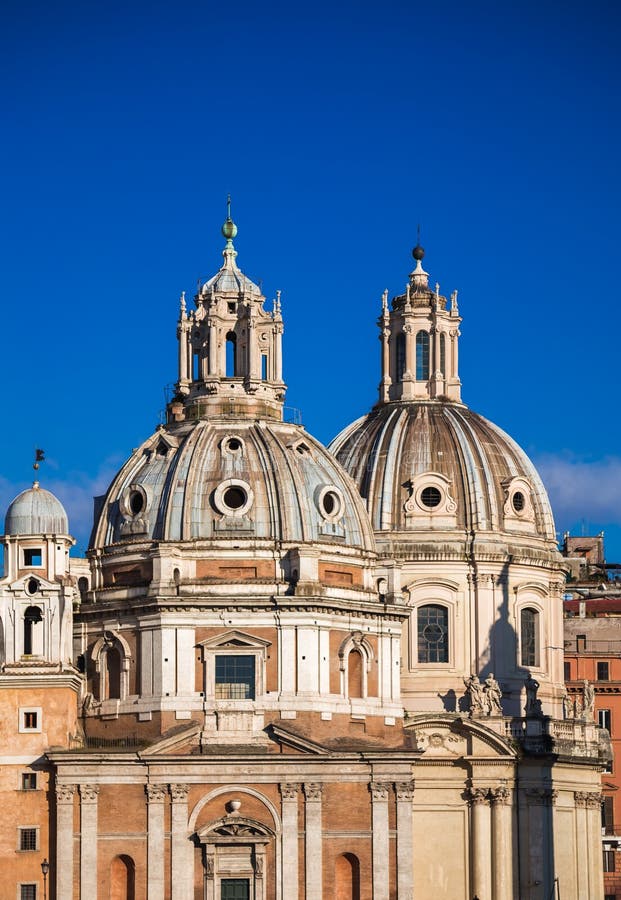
(582,490)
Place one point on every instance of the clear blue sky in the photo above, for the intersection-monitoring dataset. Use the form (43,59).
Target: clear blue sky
(336,128)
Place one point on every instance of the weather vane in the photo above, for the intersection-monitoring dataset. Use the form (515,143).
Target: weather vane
(39,458)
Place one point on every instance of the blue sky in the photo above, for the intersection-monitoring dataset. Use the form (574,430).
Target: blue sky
(336,128)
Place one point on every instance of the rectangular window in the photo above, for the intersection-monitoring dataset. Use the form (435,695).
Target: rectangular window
(235,889)
(567,671)
(27,838)
(235,677)
(27,892)
(433,630)
(603,718)
(33,557)
(581,642)
(608,819)
(603,671)
(609,860)
(529,635)
(263,367)
(29,781)
(31,719)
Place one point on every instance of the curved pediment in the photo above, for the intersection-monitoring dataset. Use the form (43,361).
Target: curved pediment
(448,736)
(236,827)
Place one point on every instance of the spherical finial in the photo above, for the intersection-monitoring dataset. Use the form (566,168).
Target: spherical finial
(229,229)
(418,252)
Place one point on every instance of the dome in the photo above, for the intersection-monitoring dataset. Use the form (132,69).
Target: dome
(36,511)
(233,480)
(433,466)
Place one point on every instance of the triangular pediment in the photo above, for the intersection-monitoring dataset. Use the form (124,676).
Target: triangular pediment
(234,639)
(177,742)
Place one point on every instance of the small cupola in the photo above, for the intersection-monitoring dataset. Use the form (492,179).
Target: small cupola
(230,346)
(419,336)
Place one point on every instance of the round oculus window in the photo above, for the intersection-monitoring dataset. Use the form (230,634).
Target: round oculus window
(430,497)
(518,501)
(136,502)
(330,503)
(32,586)
(234,497)
(233,445)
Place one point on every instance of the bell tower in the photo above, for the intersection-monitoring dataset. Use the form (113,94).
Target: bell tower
(230,346)
(419,337)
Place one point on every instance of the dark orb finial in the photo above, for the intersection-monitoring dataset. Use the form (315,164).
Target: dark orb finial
(418,252)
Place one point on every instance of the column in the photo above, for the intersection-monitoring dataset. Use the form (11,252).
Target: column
(156,797)
(502,860)
(182,850)
(278,330)
(64,841)
(480,842)
(593,803)
(581,829)
(212,363)
(313,845)
(405,840)
(88,840)
(380,794)
(290,862)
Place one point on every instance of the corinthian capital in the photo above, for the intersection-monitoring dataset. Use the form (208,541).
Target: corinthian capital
(380,790)
(89,792)
(404,789)
(65,793)
(179,792)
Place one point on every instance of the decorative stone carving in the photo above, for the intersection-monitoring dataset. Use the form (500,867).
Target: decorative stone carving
(65,793)
(588,799)
(156,793)
(405,790)
(289,791)
(380,790)
(478,795)
(500,796)
(89,792)
(541,796)
(258,866)
(484,698)
(533,704)
(179,792)
(588,700)
(568,705)
(209,867)
(313,790)
(493,696)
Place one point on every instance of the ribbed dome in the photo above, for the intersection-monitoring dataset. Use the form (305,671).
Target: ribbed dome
(228,480)
(36,511)
(441,467)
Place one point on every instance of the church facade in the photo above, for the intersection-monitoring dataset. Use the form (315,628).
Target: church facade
(286,672)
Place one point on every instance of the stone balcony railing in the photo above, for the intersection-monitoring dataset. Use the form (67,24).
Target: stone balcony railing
(575,738)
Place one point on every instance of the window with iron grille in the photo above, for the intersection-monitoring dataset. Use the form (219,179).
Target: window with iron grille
(433,634)
(235,677)
(603,718)
(27,892)
(567,671)
(235,889)
(27,838)
(608,818)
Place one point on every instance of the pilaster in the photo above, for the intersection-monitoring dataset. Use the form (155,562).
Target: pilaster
(88,840)
(290,862)
(405,840)
(182,855)
(381,792)
(64,841)
(313,849)
(156,797)
(502,859)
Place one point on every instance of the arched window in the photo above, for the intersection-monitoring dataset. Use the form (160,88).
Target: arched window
(433,634)
(400,350)
(347,877)
(113,673)
(122,878)
(443,354)
(32,618)
(231,354)
(422,356)
(529,637)
(354,674)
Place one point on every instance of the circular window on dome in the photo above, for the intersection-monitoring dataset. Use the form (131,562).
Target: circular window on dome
(232,444)
(233,497)
(136,502)
(330,503)
(518,501)
(431,497)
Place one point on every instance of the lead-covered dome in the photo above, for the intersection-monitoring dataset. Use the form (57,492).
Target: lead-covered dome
(436,466)
(36,511)
(234,480)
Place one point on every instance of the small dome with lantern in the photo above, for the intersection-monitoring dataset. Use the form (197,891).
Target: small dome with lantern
(36,511)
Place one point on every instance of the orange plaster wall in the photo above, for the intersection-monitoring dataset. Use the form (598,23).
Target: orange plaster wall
(340,575)
(122,808)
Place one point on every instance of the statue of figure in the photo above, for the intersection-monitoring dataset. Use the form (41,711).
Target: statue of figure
(533,704)
(578,707)
(493,695)
(476,696)
(568,705)
(588,697)
(89,704)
